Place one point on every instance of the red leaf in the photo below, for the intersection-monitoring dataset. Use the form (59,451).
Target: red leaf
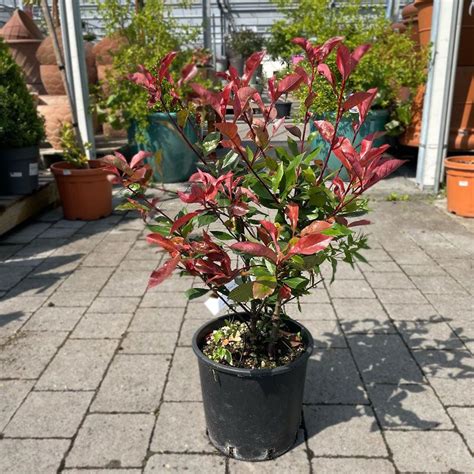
(384,169)
(178,223)
(160,275)
(360,222)
(163,242)
(355,99)
(302,42)
(310,244)
(165,64)
(315,227)
(365,105)
(326,129)
(285,292)
(294,130)
(139,157)
(277,125)
(253,248)
(343,61)
(292,211)
(324,70)
(288,84)
(188,72)
(228,129)
(325,49)
(251,65)
(272,231)
(359,52)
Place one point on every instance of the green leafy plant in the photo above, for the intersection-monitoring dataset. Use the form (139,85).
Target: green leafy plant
(244,42)
(395,65)
(20,124)
(72,153)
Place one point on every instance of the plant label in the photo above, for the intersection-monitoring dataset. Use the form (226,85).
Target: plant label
(33,169)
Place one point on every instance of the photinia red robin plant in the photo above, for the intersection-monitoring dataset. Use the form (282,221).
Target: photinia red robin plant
(279,209)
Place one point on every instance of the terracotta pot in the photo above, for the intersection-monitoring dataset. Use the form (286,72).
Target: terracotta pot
(460,185)
(400,27)
(86,194)
(466,56)
(105,48)
(24,38)
(111,132)
(55,110)
(410,19)
(411,136)
(425,12)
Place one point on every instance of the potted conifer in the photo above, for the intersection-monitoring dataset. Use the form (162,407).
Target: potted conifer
(282,216)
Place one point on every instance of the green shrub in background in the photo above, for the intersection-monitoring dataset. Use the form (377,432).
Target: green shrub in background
(244,42)
(20,124)
(150,33)
(393,63)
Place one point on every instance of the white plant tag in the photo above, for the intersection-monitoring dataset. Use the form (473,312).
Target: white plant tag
(33,169)
(66,172)
(16,174)
(463,184)
(215,304)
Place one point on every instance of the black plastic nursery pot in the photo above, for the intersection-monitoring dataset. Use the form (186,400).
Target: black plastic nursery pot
(252,414)
(283,109)
(19,170)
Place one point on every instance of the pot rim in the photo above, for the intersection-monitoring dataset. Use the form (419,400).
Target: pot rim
(58,168)
(239,372)
(461,162)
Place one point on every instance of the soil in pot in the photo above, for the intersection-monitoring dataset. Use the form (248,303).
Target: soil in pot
(253,414)
(460,185)
(19,170)
(86,193)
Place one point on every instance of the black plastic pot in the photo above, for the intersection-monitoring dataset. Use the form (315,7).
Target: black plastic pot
(252,415)
(18,170)
(283,109)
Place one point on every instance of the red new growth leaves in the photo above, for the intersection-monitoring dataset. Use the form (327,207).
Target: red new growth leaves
(310,244)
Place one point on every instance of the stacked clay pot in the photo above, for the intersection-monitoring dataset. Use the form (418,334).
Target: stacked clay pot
(56,111)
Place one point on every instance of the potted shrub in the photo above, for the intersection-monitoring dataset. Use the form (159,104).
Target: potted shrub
(21,129)
(262,223)
(83,185)
(240,44)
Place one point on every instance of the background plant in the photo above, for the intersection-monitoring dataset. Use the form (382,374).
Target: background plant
(279,209)
(71,151)
(244,42)
(20,124)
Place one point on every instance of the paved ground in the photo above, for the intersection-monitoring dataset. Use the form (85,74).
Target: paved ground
(97,376)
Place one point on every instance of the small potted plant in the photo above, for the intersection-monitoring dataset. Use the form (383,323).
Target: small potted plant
(240,45)
(21,130)
(263,221)
(84,186)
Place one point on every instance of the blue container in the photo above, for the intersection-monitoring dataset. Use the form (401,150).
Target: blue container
(375,122)
(173,160)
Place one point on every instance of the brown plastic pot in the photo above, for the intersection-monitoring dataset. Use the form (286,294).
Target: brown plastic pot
(86,193)
(460,185)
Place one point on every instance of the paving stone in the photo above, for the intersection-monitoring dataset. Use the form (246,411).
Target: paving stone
(358,316)
(54,319)
(126,304)
(87,279)
(31,456)
(58,233)
(465,331)
(190,326)
(65,223)
(326,334)
(384,359)
(49,415)
(11,274)
(157,320)
(412,257)
(350,289)
(464,420)
(133,383)
(183,379)
(343,431)
(316,295)
(173,283)
(71,299)
(12,394)
(351,466)
(58,267)
(429,451)
(200,311)
(461,307)
(7,250)
(107,254)
(11,323)
(428,335)
(147,265)
(79,365)
(126,283)
(394,296)
(415,312)
(294,461)
(35,287)
(102,326)
(450,373)
(37,250)
(310,311)
(408,407)
(102,471)
(26,234)
(181,427)
(26,356)
(26,304)
(332,377)
(113,440)
(376,255)
(379,266)
(423,270)
(149,343)
(164,300)
(438,284)
(389,280)
(210,464)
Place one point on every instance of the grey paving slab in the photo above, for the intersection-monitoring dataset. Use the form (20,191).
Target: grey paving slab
(450,373)
(413,312)
(183,380)
(430,451)
(438,285)
(79,365)
(26,234)
(155,299)
(87,279)
(157,320)
(295,461)
(58,232)
(460,307)
(12,274)
(49,415)
(54,319)
(199,311)
(7,250)
(27,355)
(408,407)
(384,359)
(463,418)
(102,471)
(406,296)
(12,394)
(326,334)
(68,299)
(310,311)
(423,270)
(181,427)
(173,283)
(102,326)
(35,287)
(26,304)
(343,272)
(211,464)
(343,431)
(350,289)
(351,466)
(465,331)
(379,266)
(332,377)
(190,326)
(133,383)
(389,280)
(376,255)
(126,283)
(412,257)
(116,304)
(32,456)
(11,322)
(316,295)
(149,343)
(112,440)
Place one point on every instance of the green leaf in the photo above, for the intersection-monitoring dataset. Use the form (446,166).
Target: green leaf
(194,293)
(211,142)
(221,235)
(337,230)
(276,178)
(264,287)
(230,160)
(242,292)
(163,229)
(293,146)
(296,282)
(206,218)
